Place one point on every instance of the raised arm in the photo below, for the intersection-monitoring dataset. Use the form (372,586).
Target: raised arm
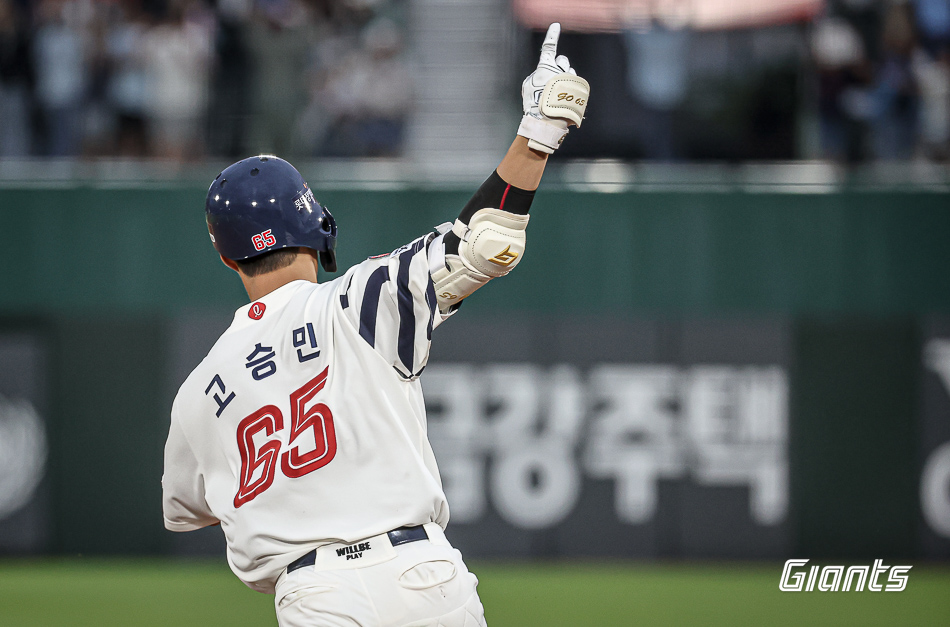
(488,238)
(522,167)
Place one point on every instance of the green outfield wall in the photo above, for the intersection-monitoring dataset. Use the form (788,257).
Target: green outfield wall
(835,305)
(664,252)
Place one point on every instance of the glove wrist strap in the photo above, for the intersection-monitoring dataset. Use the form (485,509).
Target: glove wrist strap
(542,135)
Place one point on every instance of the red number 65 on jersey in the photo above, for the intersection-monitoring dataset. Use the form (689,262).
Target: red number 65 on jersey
(259,465)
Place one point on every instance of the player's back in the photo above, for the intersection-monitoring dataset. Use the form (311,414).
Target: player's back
(301,431)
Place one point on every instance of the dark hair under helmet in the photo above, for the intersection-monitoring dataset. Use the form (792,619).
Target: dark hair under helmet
(260,204)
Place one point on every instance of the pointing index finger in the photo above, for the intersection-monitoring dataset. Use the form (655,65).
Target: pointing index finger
(549,47)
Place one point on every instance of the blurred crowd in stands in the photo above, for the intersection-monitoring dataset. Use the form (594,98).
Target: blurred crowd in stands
(182,79)
(867,80)
(860,81)
(884,79)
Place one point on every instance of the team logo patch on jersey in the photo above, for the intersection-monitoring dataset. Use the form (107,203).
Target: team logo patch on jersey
(256,312)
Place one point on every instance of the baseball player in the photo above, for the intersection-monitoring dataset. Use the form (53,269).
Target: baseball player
(303,432)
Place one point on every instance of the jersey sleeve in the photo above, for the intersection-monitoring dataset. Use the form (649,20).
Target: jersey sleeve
(391,300)
(183,496)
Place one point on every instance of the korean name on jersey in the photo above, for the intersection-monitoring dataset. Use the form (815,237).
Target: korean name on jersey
(305,424)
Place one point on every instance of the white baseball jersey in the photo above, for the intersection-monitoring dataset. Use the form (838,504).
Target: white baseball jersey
(305,424)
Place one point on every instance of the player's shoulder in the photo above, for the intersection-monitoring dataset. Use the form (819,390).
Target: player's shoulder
(199,380)
(409,249)
(360,272)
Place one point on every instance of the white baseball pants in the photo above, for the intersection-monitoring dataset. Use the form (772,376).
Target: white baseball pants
(425,585)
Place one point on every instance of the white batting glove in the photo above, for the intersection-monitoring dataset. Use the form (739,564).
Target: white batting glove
(553,96)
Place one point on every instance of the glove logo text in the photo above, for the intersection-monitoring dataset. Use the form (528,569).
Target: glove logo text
(569,98)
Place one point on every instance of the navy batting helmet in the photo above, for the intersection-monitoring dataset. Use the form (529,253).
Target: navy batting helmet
(262,204)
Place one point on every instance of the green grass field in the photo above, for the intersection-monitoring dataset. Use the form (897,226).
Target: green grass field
(183,594)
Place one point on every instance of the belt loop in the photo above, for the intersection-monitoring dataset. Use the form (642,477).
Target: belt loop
(309,559)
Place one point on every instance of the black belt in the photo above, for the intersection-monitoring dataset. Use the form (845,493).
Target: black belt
(403,535)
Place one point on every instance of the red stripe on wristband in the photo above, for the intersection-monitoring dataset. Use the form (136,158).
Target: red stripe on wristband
(501,205)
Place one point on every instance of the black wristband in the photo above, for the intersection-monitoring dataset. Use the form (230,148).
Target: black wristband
(451,241)
(498,194)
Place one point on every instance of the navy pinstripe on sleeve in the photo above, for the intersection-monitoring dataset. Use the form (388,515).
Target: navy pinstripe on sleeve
(392,301)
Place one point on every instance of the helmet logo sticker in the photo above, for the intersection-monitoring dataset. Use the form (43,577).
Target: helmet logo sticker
(256,312)
(305,201)
(263,240)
